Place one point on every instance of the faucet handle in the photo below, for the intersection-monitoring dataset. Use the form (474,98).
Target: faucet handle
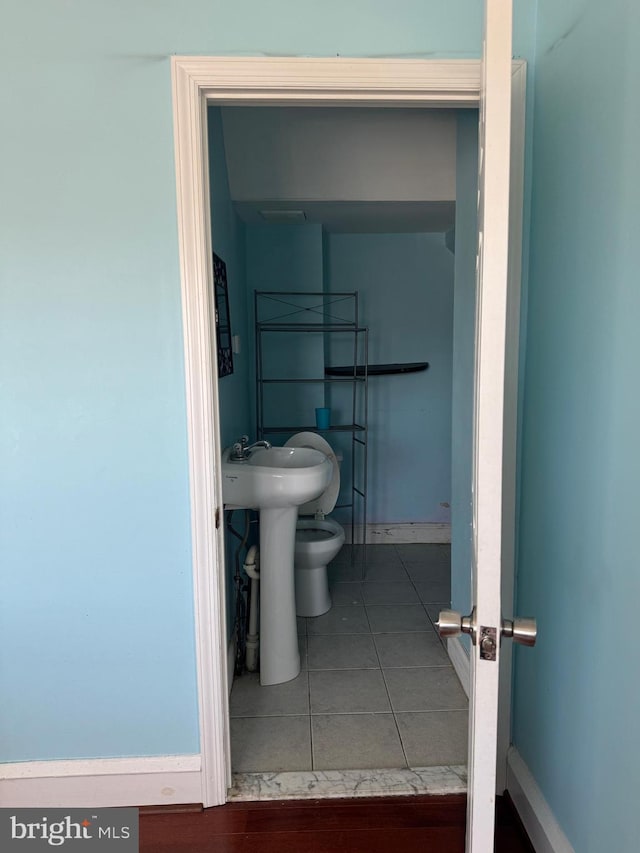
(238,450)
(243,441)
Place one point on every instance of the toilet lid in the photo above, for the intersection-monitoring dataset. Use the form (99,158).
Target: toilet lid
(327,500)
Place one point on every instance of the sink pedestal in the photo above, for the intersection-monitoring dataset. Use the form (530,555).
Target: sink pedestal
(279,654)
(275,480)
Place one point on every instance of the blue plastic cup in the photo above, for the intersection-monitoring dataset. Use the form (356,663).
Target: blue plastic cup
(323,418)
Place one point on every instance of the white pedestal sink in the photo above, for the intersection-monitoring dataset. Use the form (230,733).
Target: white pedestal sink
(276,481)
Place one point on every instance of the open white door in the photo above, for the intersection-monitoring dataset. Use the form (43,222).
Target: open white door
(494,145)
(485,624)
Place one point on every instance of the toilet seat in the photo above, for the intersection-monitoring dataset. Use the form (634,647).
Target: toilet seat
(324,503)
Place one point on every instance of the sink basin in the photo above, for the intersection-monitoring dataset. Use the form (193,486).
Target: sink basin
(274,477)
(276,481)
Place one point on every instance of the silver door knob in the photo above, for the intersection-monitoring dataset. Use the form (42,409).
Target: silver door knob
(522,630)
(451,624)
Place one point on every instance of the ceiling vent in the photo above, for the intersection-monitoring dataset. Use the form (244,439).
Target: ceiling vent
(283,215)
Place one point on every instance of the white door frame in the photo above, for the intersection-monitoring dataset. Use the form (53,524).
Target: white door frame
(197,82)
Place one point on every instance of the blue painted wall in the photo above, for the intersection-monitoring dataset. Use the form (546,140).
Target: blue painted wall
(94,497)
(234,391)
(97,639)
(286,257)
(405,285)
(228,235)
(464,322)
(577,700)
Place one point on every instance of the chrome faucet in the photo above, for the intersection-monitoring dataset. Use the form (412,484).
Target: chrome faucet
(241,448)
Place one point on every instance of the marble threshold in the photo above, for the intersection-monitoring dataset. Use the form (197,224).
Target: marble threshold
(333,784)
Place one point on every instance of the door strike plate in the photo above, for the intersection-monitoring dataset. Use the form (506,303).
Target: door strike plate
(488,643)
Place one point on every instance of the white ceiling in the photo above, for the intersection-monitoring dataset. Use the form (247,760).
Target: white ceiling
(358,217)
(351,170)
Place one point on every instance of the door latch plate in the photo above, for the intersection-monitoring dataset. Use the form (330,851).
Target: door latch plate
(488,643)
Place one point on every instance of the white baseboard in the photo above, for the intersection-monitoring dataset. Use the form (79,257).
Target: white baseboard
(460,660)
(402,534)
(539,821)
(102,782)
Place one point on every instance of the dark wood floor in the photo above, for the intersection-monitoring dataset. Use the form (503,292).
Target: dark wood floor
(381,825)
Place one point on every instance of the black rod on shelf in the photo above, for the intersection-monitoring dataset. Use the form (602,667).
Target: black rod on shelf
(377,369)
(310,327)
(306,381)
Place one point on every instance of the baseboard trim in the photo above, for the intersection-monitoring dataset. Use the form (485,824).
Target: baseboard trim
(102,782)
(539,821)
(460,660)
(401,534)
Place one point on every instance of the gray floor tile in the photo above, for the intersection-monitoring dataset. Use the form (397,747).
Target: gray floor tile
(428,573)
(372,554)
(376,555)
(350,619)
(434,738)
(379,572)
(344,573)
(424,553)
(425,689)
(353,721)
(346,593)
(432,591)
(356,742)
(390,592)
(250,699)
(270,744)
(417,649)
(342,651)
(397,618)
(348,691)
(303,645)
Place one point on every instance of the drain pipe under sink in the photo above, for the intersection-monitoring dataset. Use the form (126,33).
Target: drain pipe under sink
(251,568)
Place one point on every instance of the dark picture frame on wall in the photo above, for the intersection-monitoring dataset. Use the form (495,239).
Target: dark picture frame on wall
(223,319)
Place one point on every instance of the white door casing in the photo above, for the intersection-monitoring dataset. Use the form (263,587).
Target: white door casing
(198,81)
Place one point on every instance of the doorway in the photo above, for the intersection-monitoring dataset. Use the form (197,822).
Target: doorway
(195,81)
(332,200)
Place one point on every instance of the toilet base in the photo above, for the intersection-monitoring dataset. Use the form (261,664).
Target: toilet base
(312,591)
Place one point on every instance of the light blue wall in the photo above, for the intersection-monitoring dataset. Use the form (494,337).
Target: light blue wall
(577,699)
(287,257)
(464,306)
(94,497)
(234,391)
(235,397)
(405,284)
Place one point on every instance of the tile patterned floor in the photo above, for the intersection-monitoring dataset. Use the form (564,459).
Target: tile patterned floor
(376,689)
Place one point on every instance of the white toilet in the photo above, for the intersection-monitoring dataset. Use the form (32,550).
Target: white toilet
(318,538)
